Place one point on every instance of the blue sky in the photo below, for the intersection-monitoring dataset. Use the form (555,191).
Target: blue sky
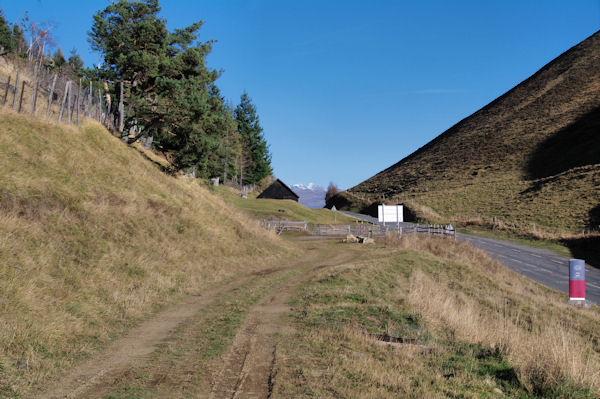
(345,89)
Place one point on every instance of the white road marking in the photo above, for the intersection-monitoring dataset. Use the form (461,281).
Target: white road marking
(524,263)
(555,261)
(537,256)
(593,285)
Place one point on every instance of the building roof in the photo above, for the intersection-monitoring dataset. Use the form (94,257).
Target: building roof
(278,190)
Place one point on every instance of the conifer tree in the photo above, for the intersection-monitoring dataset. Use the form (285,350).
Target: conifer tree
(170,94)
(75,62)
(6,42)
(58,59)
(255,156)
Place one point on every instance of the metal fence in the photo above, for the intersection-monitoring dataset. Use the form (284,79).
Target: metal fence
(377,230)
(284,225)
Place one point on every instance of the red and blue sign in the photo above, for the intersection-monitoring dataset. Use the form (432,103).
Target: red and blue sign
(577,279)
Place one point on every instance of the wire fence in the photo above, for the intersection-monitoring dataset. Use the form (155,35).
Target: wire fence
(30,87)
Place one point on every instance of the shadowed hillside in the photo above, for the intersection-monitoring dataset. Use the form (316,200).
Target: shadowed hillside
(530,156)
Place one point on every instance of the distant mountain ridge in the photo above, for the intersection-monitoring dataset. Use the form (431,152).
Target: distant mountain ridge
(530,156)
(311,195)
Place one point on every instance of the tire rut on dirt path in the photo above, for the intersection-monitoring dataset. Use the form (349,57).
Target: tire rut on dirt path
(94,377)
(248,369)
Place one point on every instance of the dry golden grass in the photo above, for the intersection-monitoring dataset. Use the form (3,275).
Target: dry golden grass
(544,355)
(93,238)
(547,340)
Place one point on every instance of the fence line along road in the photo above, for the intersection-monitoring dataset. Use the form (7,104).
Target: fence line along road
(378,230)
(538,264)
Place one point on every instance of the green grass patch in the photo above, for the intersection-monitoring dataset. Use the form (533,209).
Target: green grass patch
(281,209)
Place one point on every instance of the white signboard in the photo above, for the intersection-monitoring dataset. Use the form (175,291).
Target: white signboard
(390,213)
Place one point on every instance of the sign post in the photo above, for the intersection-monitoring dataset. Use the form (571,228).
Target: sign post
(576,280)
(390,214)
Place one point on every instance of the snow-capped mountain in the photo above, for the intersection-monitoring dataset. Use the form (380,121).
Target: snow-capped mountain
(311,195)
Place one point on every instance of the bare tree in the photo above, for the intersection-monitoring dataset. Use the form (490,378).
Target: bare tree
(332,190)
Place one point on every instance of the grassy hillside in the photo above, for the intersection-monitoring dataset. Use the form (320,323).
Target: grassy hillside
(271,209)
(530,156)
(93,237)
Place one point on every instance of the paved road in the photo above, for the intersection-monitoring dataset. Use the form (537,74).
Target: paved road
(541,265)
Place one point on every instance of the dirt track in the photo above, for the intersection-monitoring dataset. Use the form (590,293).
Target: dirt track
(247,368)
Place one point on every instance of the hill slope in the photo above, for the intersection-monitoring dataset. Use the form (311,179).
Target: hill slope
(530,156)
(93,237)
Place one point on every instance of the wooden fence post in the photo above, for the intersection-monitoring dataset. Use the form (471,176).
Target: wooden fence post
(51,96)
(16,92)
(69,110)
(89,104)
(62,105)
(121,112)
(74,105)
(37,89)
(78,100)
(108,106)
(6,90)
(21,96)
(99,105)
(34,91)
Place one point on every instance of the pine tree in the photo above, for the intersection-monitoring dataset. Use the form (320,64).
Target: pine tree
(170,94)
(75,62)
(254,146)
(6,42)
(58,59)
(133,42)
(18,40)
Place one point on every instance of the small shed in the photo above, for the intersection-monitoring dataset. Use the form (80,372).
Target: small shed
(279,190)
